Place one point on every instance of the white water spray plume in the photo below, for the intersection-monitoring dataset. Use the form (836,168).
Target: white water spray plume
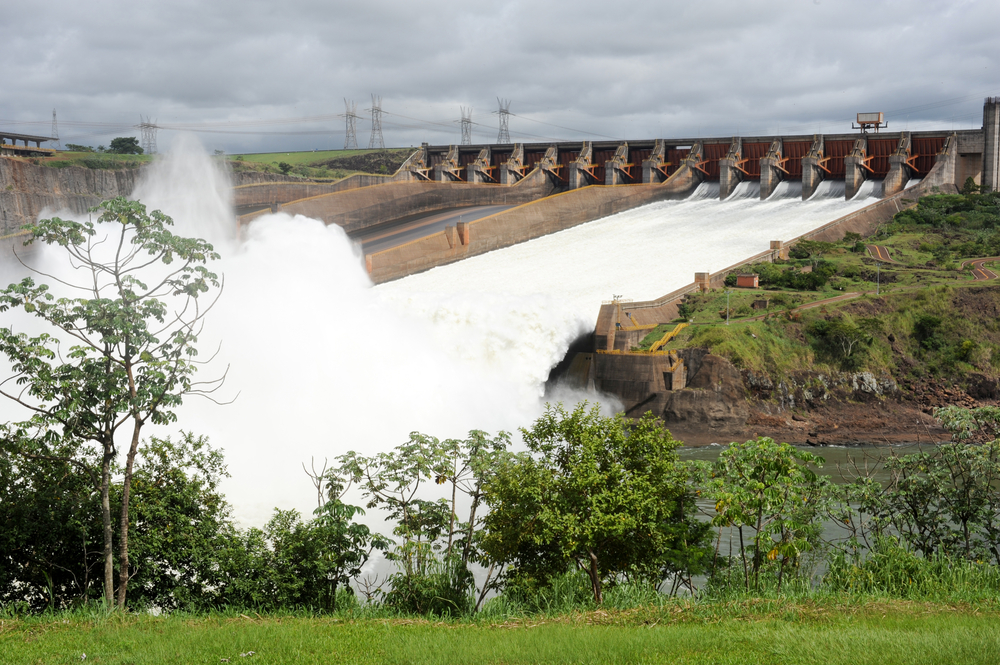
(323,362)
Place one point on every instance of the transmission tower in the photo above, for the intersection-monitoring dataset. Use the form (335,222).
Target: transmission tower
(148,129)
(466,126)
(376,140)
(351,116)
(504,137)
(55,131)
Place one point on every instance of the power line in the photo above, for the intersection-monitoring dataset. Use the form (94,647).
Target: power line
(466,126)
(503,138)
(147,130)
(376,138)
(55,131)
(351,134)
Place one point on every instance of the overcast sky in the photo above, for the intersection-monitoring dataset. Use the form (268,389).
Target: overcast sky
(640,69)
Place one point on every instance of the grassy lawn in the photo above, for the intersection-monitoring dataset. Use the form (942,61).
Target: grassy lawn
(745,632)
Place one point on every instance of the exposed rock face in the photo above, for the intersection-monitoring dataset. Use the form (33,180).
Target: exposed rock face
(811,389)
(27,189)
(713,403)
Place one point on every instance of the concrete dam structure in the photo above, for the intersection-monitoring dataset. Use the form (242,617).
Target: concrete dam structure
(540,189)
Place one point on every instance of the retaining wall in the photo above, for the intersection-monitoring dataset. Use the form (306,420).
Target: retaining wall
(363,208)
(525,222)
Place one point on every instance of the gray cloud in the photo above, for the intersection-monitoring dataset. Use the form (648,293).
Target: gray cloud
(628,70)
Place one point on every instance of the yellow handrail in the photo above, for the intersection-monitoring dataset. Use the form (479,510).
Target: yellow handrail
(666,338)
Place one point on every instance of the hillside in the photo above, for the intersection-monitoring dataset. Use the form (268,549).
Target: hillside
(861,339)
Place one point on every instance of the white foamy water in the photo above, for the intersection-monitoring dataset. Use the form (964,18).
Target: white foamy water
(320,362)
(641,254)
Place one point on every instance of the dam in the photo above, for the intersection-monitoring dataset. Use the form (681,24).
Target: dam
(451,345)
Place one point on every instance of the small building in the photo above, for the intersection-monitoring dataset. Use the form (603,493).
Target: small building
(747,281)
(760,304)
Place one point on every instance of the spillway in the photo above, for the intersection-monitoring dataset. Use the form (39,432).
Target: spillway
(320,362)
(640,254)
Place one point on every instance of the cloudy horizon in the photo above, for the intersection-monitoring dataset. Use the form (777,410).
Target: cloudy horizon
(255,76)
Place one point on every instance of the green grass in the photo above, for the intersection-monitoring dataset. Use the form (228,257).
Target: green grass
(778,631)
(296,158)
(94,160)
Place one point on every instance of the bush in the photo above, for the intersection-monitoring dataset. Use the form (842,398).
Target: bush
(446,589)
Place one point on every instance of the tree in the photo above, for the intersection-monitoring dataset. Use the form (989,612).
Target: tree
(133,333)
(436,547)
(285,167)
(125,145)
(76,147)
(605,494)
(769,489)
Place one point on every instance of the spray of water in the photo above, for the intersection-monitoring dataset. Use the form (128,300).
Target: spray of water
(320,362)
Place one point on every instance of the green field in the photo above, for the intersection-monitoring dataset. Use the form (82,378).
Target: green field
(297,158)
(747,632)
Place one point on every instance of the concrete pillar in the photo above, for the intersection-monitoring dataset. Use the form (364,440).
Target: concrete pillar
(464,233)
(614,173)
(990,180)
(703,281)
(899,168)
(451,235)
(730,171)
(578,176)
(772,171)
(854,168)
(812,168)
(510,172)
(478,170)
(651,172)
(778,250)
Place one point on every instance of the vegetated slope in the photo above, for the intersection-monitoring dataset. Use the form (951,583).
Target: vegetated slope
(815,368)
(382,161)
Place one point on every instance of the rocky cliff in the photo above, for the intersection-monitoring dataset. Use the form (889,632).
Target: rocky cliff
(26,189)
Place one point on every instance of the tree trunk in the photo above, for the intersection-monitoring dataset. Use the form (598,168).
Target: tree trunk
(109,560)
(595,578)
(126,492)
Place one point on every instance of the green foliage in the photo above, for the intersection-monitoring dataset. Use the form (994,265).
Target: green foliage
(890,569)
(769,490)
(75,147)
(284,167)
(602,494)
(131,358)
(125,145)
(842,341)
(435,546)
(925,331)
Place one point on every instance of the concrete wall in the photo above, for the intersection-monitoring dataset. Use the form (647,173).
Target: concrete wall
(525,222)
(369,206)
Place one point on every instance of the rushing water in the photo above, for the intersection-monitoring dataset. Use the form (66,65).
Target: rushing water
(320,362)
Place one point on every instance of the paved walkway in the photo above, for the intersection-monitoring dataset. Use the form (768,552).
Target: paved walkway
(880,253)
(980,273)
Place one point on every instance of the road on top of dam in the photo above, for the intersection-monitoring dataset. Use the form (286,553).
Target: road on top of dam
(414,227)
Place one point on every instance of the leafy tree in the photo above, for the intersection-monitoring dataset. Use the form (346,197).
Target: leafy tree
(604,494)
(76,147)
(842,340)
(49,542)
(285,167)
(178,520)
(133,335)
(125,145)
(435,546)
(768,489)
